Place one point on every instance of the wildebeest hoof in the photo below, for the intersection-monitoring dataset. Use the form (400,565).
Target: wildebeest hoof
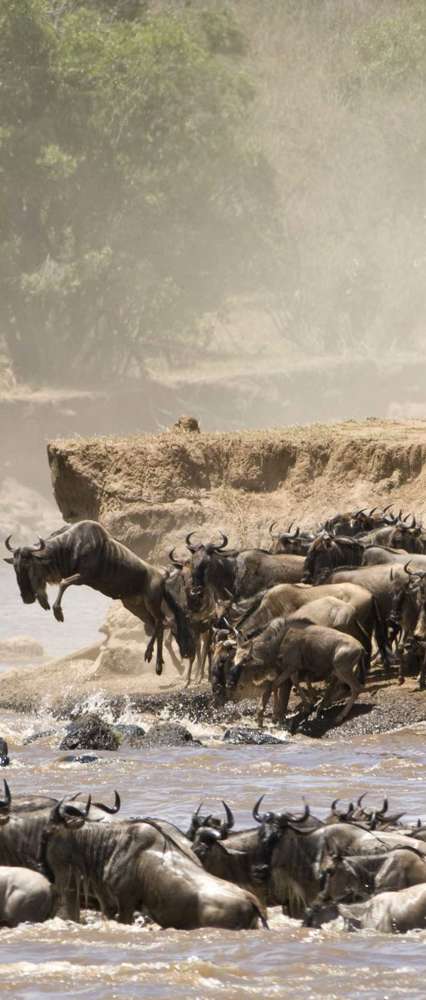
(59,614)
(159,668)
(148,655)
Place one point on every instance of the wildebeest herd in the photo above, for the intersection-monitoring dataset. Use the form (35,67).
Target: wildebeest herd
(365,865)
(317,607)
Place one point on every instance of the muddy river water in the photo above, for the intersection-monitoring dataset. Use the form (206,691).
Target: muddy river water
(102,960)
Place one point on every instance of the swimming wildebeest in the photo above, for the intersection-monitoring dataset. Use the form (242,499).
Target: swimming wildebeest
(389,912)
(145,863)
(25,896)
(86,554)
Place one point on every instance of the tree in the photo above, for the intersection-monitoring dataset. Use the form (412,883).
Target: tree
(133,202)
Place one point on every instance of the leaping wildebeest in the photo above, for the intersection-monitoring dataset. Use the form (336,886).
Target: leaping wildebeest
(86,554)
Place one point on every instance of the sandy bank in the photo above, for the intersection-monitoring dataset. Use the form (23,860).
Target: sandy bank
(149,490)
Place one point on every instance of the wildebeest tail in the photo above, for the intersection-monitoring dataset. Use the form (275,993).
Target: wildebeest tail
(184,634)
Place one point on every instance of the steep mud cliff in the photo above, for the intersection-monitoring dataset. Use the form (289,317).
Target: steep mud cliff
(149,490)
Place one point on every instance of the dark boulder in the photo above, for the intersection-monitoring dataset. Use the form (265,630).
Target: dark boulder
(257,737)
(165,734)
(90,732)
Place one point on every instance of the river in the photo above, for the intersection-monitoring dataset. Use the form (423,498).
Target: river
(103,960)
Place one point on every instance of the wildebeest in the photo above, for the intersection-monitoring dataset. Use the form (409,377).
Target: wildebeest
(86,554)
(298,650)
(389,912)
(374,555)
(285,599)
(25,896)
(357,521)
(238,574)
(298,856)
(294,543)
(221,826)
(412,659)
(396,536)
(359,877)
(384,583)
(326,553)
(142,864)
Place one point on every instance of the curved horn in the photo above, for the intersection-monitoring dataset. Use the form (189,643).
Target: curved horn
(359,801)
(409,571)
(334,804)
(272,525)
(384,808)
(388,507)
(223,543)
(8,545)
(229,816)
(290,527)
(305,815)
(41,545)
(110,809)
(198,809)
(255,811)
(89,803)
(191,548)
(5,803)
(371,512)
(173,560)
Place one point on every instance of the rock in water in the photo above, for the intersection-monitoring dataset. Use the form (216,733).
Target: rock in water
(257,737)
(165,734)
(90,732)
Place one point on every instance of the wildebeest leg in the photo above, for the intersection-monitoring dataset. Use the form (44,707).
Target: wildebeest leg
(69,891)
(206,654)
(159,636)
(168,644)
(346,674)
(189,674)
(281,704)
(63,586)
(264,701)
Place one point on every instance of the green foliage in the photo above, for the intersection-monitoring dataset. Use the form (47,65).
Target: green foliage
(132,202)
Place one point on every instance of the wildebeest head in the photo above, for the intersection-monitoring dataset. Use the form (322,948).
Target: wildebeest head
(413,591)
(31,571)
(272,826)
(326,553)
(222,661)
(341,880)
(207,566)
(412,657)
(69,813)
(221,827)
(292,542)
